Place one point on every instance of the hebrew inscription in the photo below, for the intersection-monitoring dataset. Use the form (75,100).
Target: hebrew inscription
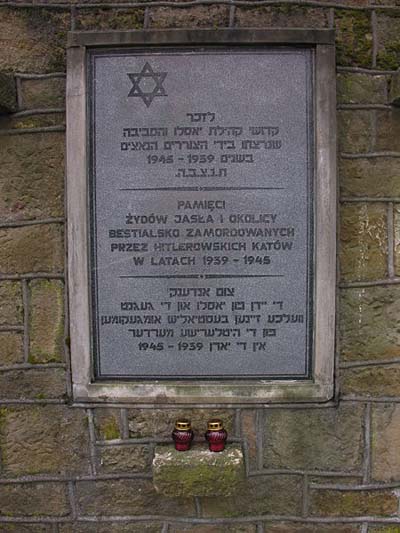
(201,217)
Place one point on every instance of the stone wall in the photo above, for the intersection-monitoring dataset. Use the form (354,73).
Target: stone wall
(67,468)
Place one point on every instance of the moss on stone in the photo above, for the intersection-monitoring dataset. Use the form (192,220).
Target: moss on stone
(384,529)
(354,38)
(388,40)
(52,27)
(331,502)
(389,58)
(46,321)
(34,121)
(110,429)
(110,20)
(198,472)
(8,93)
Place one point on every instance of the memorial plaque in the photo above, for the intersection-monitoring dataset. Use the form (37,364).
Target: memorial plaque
(202,212)
(202,218)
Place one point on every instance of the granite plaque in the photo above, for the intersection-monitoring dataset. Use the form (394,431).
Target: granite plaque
(201,212)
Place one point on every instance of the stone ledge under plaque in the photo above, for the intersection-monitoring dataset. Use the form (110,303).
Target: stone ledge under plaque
(198,472)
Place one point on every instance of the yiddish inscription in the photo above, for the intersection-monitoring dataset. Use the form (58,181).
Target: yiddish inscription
(202,212)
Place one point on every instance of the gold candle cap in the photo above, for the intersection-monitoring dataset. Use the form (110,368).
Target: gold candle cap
(183,424)
(215,424)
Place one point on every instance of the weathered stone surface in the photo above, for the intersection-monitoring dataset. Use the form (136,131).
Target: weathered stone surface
(32,249)
(26,528)
(195,17)
(32,176)
(212,528)
(333,480)
(388,130)
(46,328)
(249,433)
(288,527)
(198,472)
(33,40)
(107,424)
(11,308)
(314,439)
(373,177)
(43,440)
(396,228)
(8,93)
(160,422)
(330,502)
(32,499)
(392,528)
(385,442)
(284,16)
(388,31)
(105,19)
(131,497)
(40,383)
(113,459)
(43,93)
(110,527)
(355,3)
(354,131)
(354,88)
(371,381)
(369,323)
(259,495)
(385,2)
(21,123)
(363,242)
(353,38)
(11,348)
(394,92)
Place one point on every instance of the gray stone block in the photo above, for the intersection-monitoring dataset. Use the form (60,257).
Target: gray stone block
(8,93)
(198,472)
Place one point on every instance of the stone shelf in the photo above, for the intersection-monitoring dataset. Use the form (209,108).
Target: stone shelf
(198,472)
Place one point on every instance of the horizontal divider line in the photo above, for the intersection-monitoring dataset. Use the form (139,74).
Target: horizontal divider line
(243,3)
(369,155)
(355,107)
(92,404)
(203,189)
(38,76)
(30,366)
(353,199)
(358,364)
(64,479)
(204,276)
(33,76)
(362,70)
(317,473)
(22,223)
(153,440)
(41,111)
(369,399)
(360,487)
(31,275)
(375,283)
(4,328)
(43,478)
(27,401)
(26,131)
(194,520)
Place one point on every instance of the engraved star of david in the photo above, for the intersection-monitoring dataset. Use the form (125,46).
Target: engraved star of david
(147,73)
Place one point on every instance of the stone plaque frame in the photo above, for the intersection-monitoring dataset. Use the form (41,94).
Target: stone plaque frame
(320,388)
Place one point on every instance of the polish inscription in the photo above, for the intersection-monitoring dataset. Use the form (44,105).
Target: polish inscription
(202,213)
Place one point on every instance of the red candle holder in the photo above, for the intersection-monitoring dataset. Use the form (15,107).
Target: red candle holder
(216,435)
(182,435)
